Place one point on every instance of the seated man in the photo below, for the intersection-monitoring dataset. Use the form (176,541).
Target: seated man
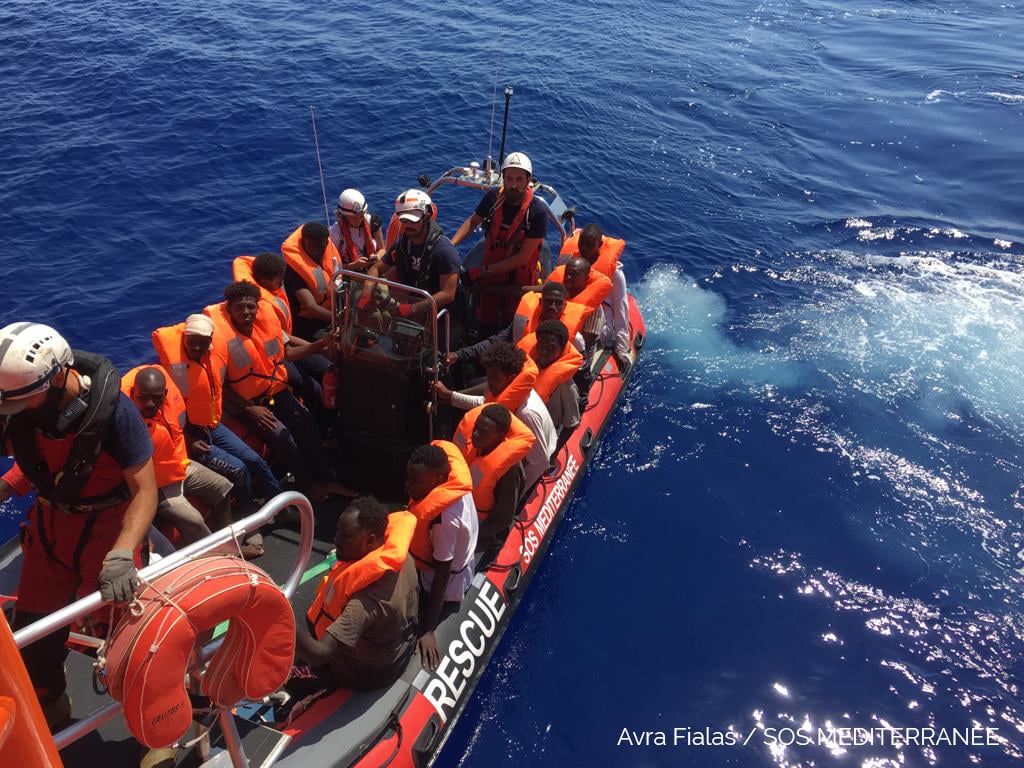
(494,442)
(186,351)
(249,337)
(312,261)
(534,308)
(514,225)
(356,233)
(422,257)
(363,618)
(603,255)
(441,497)
(587,287)
(163,410)
(267,271)
(557,362)
(510,378)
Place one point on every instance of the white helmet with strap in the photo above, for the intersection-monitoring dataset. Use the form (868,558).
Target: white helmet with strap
(517,160)
(31,354)
(413,205)
(352,201)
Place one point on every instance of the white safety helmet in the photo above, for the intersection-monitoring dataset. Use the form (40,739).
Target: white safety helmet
(517,160)
(352,201)
(413,205)
(31,354)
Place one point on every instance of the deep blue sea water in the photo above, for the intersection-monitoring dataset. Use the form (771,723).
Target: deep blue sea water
(807,509)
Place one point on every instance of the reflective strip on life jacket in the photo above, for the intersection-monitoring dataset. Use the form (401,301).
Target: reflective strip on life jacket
(317,277)
(255,364)
(241,269)
(170,457)
(346,578)
(426,510)
(200,384)
(607,257)
(555,375)
(486,471)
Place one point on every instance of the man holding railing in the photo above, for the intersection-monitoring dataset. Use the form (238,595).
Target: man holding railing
(84,447)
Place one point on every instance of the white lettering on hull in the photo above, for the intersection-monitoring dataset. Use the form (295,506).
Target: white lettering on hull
(463,654)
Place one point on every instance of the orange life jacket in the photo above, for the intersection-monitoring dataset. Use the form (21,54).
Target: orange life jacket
(317,277)
(555,375)
(500,239)
(346,578)
(515,394)
(427,509)
(487,470)
(241,269)
(170,458)
(351,249)
(528,316)
(607,257)
(255,364)
(593,294)
(200,384)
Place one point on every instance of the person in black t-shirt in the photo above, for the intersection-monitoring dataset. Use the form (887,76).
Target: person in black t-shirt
(423,257)
(515,225)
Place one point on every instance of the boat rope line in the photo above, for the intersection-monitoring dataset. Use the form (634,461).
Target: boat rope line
(494,104)
(319,165)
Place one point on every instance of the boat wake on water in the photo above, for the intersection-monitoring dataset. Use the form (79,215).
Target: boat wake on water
(888,366)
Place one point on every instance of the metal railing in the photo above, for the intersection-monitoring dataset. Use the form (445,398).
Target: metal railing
(223,538)
(402,289)
(484,181)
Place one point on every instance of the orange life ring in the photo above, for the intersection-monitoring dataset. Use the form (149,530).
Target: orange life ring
(148,655)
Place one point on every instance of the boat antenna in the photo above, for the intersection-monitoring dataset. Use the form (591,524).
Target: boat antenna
(504,126)
(494,104)
(319,165)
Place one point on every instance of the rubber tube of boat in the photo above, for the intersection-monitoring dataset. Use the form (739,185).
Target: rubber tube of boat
(329,388)
(504,126)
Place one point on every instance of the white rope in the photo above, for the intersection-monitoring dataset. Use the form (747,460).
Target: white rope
(316,143)
(494,104)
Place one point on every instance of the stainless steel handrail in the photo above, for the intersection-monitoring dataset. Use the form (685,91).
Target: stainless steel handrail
(214,541)
(410,290)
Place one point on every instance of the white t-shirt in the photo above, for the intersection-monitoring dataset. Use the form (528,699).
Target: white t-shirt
(357,235)
(453,539)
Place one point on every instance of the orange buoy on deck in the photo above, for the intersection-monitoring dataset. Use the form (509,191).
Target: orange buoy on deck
(149,654)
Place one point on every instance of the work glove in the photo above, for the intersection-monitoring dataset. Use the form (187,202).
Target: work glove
(118,578)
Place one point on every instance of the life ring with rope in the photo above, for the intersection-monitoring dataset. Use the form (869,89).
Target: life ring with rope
(148,654)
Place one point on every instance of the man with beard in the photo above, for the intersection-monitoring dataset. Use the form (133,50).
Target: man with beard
(514,224)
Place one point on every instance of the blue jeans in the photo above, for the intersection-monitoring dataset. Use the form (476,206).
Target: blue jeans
(231,457)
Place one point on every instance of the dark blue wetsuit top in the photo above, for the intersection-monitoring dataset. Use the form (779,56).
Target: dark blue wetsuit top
(128,441)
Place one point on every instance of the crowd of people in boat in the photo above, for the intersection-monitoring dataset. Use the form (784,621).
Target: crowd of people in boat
(236,403)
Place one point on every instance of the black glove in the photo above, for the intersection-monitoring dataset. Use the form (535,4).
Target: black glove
(118,578)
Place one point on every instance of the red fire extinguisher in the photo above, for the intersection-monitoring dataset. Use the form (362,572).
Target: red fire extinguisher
(329,388)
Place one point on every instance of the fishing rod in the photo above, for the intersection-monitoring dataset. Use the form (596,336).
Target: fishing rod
(320,167)
(504,126)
